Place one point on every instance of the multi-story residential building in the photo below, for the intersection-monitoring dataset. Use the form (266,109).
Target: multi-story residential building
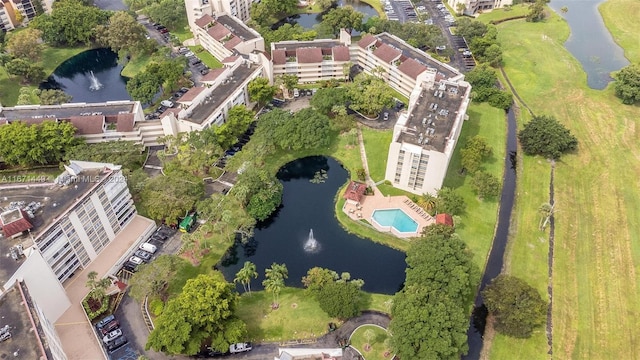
(197,8)
(225,36)
(13,13)
(311,61)
(424,138)
(84,221)
(95,122)
(202,107)
(474,6)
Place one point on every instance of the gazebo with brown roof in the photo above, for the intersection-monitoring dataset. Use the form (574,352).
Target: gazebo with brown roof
(444,219)
(14,222)
(355,191)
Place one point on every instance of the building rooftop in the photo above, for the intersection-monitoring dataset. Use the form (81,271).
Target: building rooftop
(65,111)
(309,55)
(409,51)
(237,28)
(25,343)
(431,119)
(14,222)
(204,20)
(220,94)
(212,75)
(292,45)
(387,53)
(412,68)
(341,53)
(191,94)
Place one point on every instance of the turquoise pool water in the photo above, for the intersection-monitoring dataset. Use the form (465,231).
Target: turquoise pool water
(395,218)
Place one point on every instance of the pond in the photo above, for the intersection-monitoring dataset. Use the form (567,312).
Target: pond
(308,21)
(590,41)
(284,238)
(91,76)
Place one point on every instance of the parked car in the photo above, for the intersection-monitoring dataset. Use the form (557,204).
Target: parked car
(112,336)
(164,31)
(167,103)
(296,93)
(135,260)
(145,256)
(110,327)
(117,343)
(240,347)
(148,248)
(385,116)
(105,321)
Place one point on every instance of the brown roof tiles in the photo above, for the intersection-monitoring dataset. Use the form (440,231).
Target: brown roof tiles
(366,41)
(412,68)
(212,75)
(341,53)
(218,31)
(230,59)
(124,123)
(204,21)
(387,53)
(191,94)
(279,56)
(88,125)
(231,43)
(309,55)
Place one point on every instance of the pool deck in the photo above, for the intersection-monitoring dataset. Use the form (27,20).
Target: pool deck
(370,203)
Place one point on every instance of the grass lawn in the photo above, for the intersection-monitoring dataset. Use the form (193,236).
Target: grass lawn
(52,58)
(477,224)
(373,348)
(499,14)
(206,57)
(182,33)
(299,316)
(621,18)
(597,248)
(389,190)
(376,143)
(136,65)
(376,4)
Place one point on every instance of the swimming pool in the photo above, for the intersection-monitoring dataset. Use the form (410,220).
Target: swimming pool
(395,218)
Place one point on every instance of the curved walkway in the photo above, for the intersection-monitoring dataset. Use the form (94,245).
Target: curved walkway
(344,331)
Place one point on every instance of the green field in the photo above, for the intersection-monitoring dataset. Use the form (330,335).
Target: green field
(373,348)
(499,14)
(596,302)
(206,57)
(477,224)
(52,57)
(621,18)
(376,144)
(298,317)
(136,65)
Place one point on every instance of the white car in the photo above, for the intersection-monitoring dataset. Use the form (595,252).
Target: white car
(135,260)
(296,93)
(112,336)
(240,347)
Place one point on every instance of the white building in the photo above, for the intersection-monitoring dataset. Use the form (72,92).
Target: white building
(12,10)
(472,7)
(84,220)
(425,137)
(225,36)
(197,8)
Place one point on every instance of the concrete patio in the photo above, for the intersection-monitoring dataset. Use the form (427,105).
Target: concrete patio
(368,204)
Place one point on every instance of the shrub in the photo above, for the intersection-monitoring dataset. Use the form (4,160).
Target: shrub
(362,175)
(156,307)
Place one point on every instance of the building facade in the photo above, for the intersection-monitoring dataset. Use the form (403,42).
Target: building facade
(14,13)
(237,8)
(472,7)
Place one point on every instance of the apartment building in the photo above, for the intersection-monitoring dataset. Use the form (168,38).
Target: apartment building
(14,13)
(202,107)
(83,221)
(425,137)
(95,122)
(311,61)
(472,7)
(225,36)
(237,8)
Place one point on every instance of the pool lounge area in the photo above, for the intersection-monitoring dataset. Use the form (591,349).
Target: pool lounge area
(397,215)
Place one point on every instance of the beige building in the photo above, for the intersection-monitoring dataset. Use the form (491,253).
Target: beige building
(202,107)
(225,36)
(197,8)
(11,11)
(472,7)
(425,137)
(81,221)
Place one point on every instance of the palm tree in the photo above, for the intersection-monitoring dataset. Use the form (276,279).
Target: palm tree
(91,280)
(428,202)
(245,274)
(274,286)
(274,282)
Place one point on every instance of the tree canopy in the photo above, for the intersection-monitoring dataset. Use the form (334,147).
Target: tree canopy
(259,191)
(265,11)
(170,13)
(203,312)
(124,35)
(45,143)
(170,197)
(306,129)
(627,85)
(260,90)
(517,307)
(126,153)
(449,202)
(430,315)
(485,185)
(71,22)
(25,44)
(325,99)
(343,17)
(546,136)
(153,278)
(369,94)
(474,152)
(238,120)
(340,299)
(416,34)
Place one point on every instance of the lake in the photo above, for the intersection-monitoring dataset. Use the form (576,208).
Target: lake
(308,21)
(307,206)
(590,41)
(91,76)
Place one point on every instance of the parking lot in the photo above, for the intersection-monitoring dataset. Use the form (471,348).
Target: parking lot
(400,10)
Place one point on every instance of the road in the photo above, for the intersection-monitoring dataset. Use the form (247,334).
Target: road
(110,4)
